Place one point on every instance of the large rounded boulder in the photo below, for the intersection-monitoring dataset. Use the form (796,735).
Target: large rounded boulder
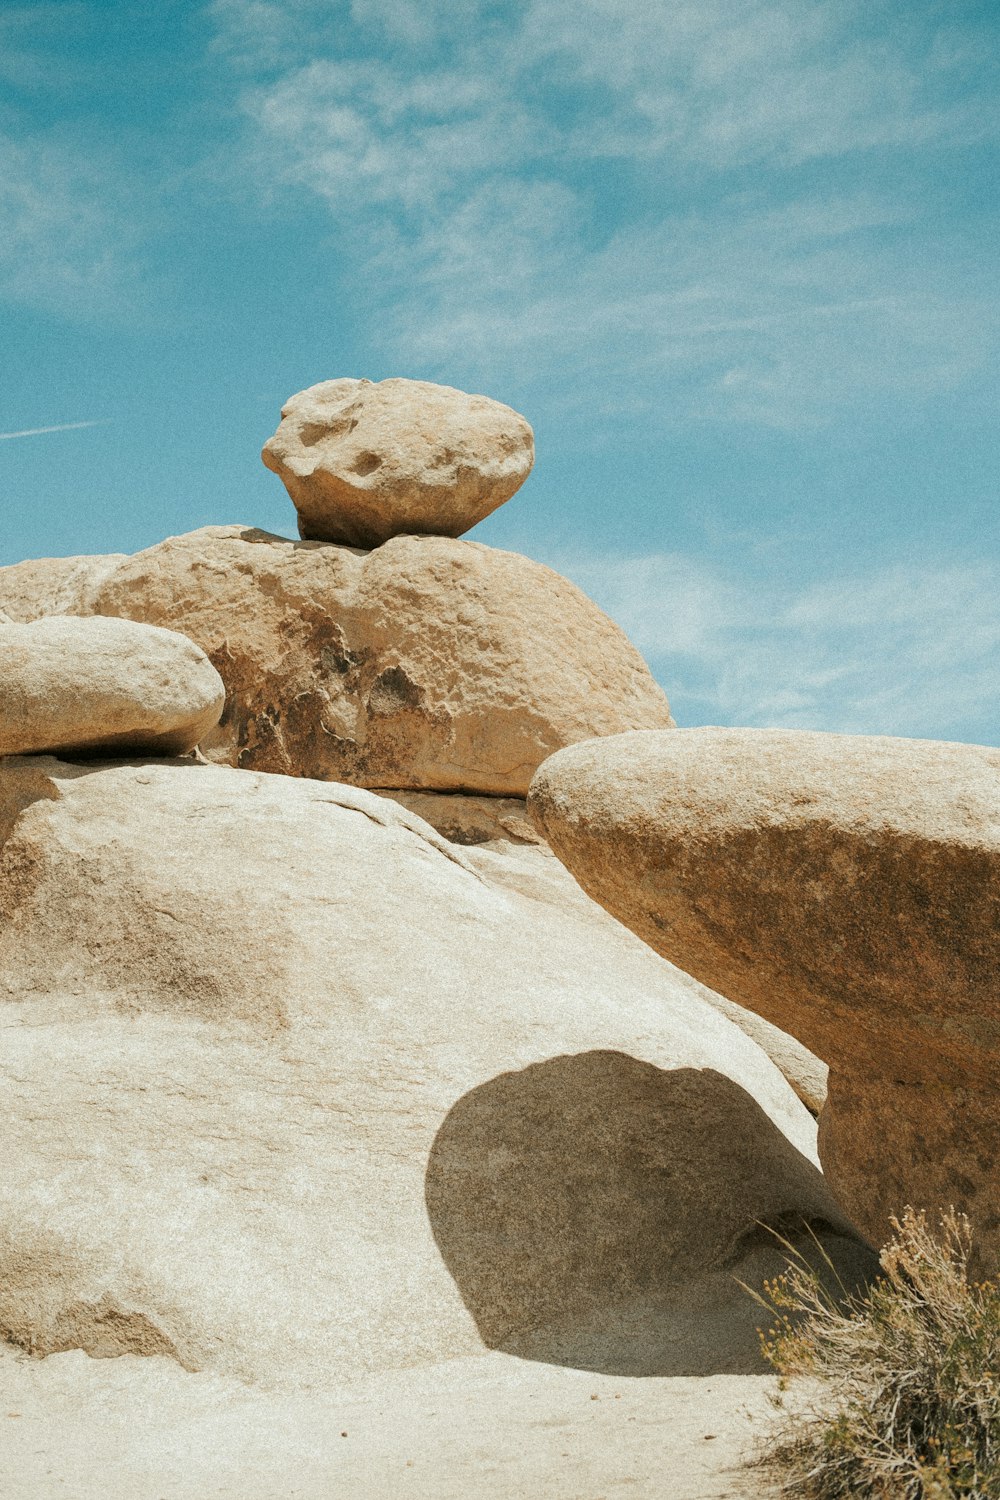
(295,1091)
(97,686)
(848,890)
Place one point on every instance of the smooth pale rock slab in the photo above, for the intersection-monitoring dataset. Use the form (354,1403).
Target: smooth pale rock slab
(519,858)
(295,1091)
(848,890)
(364,461)
(428,663)
(100,685)
(493,1427)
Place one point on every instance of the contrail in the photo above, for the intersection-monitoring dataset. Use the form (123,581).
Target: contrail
(62,427)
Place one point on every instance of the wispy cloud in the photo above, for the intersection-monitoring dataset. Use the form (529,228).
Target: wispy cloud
(73,206)
(908,650)
(59,427)
(69,229)
(567,185)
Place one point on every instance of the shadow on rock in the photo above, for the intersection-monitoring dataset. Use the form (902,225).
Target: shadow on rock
(595,1210)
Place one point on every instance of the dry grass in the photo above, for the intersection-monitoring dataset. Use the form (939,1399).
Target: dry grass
(901,1396)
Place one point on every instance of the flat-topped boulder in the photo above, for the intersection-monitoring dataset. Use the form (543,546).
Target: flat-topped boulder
(390,1110)
(367,460)
(848,890)
(89,686)
(429,663)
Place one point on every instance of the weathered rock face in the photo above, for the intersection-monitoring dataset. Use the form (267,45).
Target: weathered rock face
(366,461)
(429,663)
(113,686)
(295,1089)
(847,889)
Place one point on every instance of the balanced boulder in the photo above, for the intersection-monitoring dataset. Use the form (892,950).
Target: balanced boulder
(848,890)
(364,461)
(98,685)
(428,663)
(295,1090)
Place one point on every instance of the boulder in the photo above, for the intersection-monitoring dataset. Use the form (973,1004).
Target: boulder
(54,585)
(364,461)
(428,663)
(103,686)
(296,1092)
(491,1427)
(848,890)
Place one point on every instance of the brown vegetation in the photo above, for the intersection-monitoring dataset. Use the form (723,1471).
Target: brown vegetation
(899,1385)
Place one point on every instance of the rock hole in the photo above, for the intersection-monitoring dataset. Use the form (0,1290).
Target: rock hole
(392,692)
(366,463)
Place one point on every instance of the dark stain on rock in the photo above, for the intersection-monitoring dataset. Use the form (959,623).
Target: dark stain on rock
(338,658)
(393,692)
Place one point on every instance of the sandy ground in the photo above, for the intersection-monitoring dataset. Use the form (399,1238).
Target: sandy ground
(488,1428)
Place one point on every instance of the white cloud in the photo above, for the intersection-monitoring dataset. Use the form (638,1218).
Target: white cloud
(456,147)
(726,82)
(722,82)
(69,232)
(363,136)
(773,317)
(909,650)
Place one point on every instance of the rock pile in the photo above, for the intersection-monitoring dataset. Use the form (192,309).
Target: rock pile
(426,663)
(299,1091)
(848,890)
(391,1109)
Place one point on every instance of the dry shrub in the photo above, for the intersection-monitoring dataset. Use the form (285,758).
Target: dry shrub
(901,1399)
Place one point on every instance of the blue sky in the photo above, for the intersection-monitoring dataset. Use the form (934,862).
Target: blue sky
(736,260)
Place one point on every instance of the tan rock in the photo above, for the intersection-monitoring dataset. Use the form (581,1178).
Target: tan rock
(429,663)
(366,461)
(296,1092)
(848,890)
(54,585)
(113,686)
